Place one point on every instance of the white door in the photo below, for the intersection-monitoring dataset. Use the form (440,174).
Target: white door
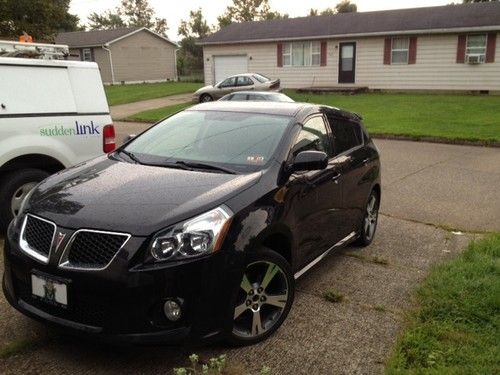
(226,66)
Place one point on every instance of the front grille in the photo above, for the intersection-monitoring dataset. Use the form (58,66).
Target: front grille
(92,249)
(37,237)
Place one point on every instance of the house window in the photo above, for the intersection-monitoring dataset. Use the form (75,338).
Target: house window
(400,49)
(86,54)
(302,54)
(476,48)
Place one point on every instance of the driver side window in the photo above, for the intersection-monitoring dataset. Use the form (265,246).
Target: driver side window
(229,82)
(313,136)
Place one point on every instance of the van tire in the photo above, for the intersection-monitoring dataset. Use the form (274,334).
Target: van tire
(9,184)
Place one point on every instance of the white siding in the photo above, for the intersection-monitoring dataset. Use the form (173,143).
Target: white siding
(436,67)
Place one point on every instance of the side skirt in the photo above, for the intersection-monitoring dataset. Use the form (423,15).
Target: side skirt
(349,238)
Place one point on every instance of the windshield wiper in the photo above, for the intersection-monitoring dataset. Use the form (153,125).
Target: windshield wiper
(132,156)
(199,165)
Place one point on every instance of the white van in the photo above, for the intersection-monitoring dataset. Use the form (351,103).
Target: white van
(53,114)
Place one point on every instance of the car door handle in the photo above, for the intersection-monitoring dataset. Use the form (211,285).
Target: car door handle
(336,176)
(365,161)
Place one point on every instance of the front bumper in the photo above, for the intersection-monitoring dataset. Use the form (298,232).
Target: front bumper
(126,305)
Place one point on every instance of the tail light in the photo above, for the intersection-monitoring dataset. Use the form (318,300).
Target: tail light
(275,85)
(108,138)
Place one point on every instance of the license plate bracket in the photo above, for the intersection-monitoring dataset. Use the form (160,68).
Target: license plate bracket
(49,289)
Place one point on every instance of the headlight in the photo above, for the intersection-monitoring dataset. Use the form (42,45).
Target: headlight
(201,235)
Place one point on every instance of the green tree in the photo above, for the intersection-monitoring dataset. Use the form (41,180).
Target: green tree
(345,6)
(130,13)
(42,19)
(477,1)
(248,10)
(313,12)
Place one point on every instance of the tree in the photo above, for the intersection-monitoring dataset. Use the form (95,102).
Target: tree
(130,13)
(248,10)
(190,55)
(42,19)
(477,1)
(345,6)
(313,12)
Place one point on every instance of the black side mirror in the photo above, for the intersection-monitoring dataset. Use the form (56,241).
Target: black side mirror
(310,161)
(129,137)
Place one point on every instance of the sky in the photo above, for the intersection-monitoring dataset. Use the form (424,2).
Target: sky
(175,11)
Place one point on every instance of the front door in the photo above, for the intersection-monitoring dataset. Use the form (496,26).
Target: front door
(347,62)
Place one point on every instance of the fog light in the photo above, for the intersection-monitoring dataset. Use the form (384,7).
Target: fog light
(172,310)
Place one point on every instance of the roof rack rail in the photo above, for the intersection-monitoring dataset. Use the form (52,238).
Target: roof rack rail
(33,50)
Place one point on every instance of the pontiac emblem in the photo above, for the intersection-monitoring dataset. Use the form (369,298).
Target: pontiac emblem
(59,240)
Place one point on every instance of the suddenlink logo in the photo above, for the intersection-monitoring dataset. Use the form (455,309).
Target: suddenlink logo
(78,129)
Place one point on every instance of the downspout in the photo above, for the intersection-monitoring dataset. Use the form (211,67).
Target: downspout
(176,77)
(105,47)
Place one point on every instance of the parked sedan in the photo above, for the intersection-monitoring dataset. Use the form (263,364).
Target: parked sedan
(259,96)
(240,82)
(198,227)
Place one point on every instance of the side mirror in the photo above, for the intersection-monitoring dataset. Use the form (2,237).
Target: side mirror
(310,161)
(129,137)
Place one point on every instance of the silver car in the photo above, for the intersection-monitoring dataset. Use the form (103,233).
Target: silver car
(257,96)
(240,82)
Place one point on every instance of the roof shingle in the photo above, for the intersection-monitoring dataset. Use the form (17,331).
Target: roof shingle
(92,38)
(388,21)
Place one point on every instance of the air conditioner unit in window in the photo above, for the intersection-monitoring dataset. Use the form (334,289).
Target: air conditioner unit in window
(475,58)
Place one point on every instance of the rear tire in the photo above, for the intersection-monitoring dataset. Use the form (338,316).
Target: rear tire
(370,221)
(205,98)
(13,188)
(264,298)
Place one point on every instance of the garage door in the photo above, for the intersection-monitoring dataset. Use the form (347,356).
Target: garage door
(226,66)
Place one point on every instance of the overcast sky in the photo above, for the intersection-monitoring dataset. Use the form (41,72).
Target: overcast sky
(174,11)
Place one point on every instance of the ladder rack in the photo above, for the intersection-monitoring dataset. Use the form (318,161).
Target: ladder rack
(33,50)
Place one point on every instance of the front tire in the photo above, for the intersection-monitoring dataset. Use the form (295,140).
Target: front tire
(13,189)
(370,221)
(264,298)
(205,98)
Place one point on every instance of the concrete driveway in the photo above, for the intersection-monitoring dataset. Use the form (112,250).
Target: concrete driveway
(354,336)
(122,111)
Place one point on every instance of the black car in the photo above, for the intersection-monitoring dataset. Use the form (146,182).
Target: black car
(198,228)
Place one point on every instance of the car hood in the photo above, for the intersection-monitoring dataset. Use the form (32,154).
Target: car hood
(112,195)
(204,88)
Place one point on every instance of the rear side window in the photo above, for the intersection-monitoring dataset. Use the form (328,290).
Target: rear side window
(346,134)
(244,81)
(313,136)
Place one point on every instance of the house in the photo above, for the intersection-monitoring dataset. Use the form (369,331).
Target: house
(453,48)
(124,55)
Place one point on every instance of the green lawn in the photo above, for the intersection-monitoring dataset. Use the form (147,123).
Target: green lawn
(457,327)
(122,94)
(452,117)
(154,115)
(448,117)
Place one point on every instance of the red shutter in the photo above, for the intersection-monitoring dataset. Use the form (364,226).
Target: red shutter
(279,54)
(490,47)
(387,51)
(462,40)
(412,53)
(323,54)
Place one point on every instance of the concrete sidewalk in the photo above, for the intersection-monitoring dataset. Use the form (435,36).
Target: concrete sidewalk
(122,111)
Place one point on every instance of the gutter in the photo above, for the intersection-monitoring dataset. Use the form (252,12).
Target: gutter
(105,47)
(353,35)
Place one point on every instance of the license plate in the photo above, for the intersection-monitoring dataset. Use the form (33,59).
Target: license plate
(49,290)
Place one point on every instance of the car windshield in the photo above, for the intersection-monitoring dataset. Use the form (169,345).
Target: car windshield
(261,78)
(240,141)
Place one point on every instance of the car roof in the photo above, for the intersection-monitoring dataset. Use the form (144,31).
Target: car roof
(256,93)
(271,108)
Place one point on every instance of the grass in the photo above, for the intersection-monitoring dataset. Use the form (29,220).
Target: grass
(154,115)
(448,117)
(17,347)
(333,296)
(122,94)
(457,327)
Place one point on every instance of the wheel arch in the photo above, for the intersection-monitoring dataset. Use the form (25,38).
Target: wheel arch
(34,161)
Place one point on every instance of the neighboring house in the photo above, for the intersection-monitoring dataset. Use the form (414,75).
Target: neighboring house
(124,55)
(454,47)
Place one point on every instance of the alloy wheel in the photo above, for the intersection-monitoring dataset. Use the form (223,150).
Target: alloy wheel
(370,223)
(263,296)
(19,196)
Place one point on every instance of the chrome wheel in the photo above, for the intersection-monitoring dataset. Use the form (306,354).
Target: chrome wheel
(370,223)
(19,196)
(263,296)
